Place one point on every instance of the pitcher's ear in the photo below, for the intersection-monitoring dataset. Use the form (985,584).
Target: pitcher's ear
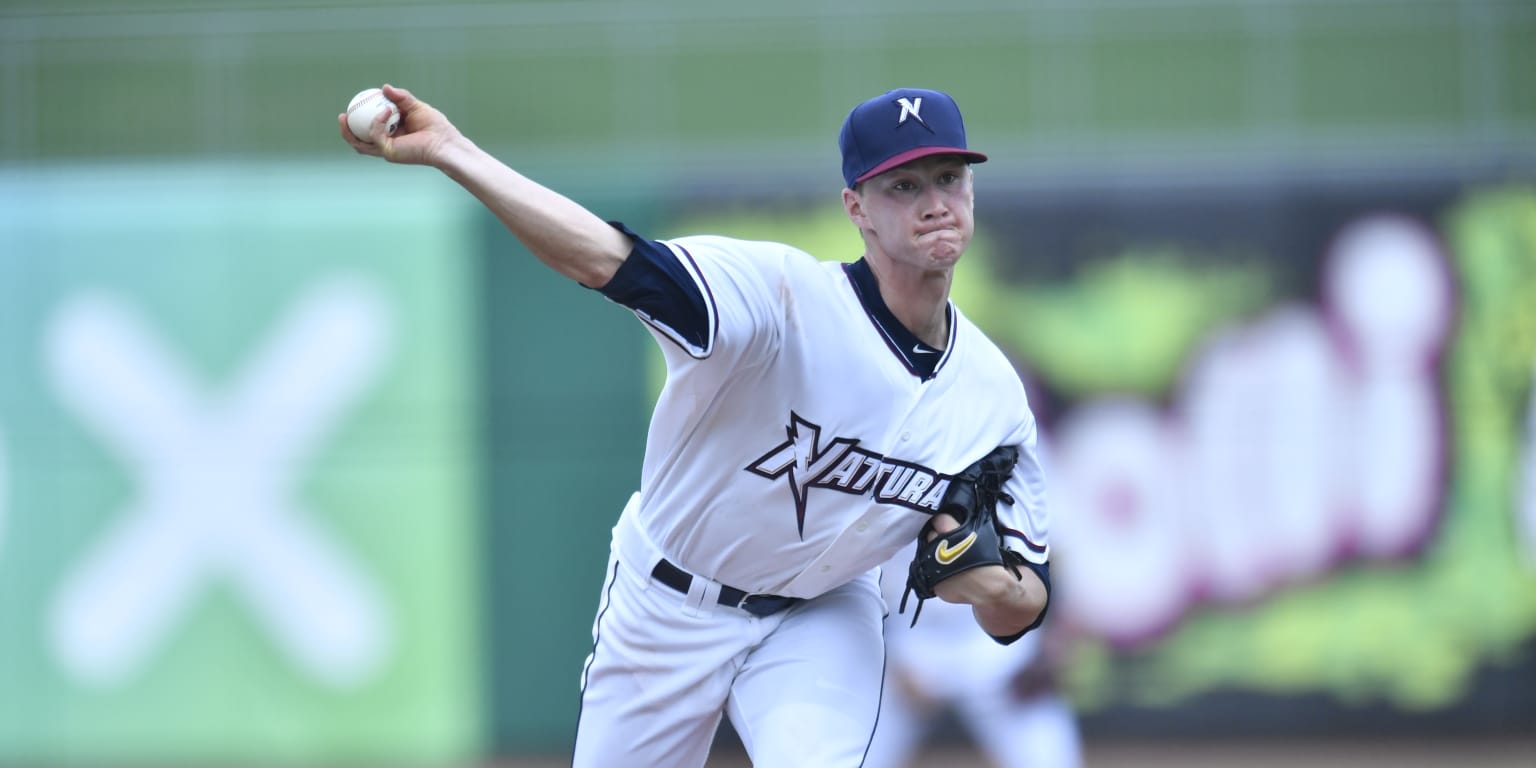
(853,205)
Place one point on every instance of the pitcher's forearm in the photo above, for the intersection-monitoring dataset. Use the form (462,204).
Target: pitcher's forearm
(570,239)
(1004,604)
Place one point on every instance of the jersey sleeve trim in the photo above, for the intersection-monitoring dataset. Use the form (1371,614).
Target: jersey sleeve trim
(702,347)
(663,285)
(1038,549)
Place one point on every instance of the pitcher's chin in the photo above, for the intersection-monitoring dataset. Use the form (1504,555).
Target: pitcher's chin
(945,255)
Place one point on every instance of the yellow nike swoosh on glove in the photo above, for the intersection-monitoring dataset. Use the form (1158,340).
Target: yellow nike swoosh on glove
(946,554)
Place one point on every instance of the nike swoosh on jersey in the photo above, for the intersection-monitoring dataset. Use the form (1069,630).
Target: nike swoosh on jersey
(918,349)
(946,554)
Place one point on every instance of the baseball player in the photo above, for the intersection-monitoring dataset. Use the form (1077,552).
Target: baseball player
(816,419)
(1004,697)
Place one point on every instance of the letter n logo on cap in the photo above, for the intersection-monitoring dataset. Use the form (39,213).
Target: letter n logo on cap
(912,107)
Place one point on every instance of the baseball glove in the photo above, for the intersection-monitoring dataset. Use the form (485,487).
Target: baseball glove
(971,498)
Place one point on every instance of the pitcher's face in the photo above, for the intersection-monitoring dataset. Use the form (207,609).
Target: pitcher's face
(921,214)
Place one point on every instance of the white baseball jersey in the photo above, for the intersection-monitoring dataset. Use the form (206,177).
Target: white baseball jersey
(803,435)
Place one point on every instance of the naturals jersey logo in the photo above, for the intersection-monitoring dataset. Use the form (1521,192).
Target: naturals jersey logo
(841,465)
(234,462)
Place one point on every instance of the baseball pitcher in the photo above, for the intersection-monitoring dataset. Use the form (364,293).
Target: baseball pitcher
(817,418)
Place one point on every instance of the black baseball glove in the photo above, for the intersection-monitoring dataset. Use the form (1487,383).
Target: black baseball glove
(971,498)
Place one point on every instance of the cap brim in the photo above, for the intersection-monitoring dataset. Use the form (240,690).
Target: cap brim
(919,152)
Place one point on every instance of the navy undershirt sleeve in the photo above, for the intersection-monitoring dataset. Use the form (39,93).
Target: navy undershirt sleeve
(1043,570)
(655,282)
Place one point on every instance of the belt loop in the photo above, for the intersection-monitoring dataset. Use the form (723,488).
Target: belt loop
(702,594)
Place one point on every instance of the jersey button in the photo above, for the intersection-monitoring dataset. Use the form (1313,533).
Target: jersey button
(861,527)
(905,436)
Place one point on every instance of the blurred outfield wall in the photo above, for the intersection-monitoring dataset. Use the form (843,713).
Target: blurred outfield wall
(333,407)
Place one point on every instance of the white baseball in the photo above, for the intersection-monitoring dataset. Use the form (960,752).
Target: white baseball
(365,106)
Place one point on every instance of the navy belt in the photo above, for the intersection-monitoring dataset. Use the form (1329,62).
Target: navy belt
(757,605)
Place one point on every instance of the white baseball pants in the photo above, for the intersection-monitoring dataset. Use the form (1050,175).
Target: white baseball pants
(802,686)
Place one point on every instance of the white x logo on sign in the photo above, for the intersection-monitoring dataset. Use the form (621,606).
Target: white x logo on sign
(216,481)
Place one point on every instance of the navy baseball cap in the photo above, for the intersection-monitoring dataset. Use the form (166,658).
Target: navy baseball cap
(898,127)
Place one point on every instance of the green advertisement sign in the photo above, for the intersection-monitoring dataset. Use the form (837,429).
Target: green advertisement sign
(237,467)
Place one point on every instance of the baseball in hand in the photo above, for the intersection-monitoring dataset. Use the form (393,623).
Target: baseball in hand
(365,106)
